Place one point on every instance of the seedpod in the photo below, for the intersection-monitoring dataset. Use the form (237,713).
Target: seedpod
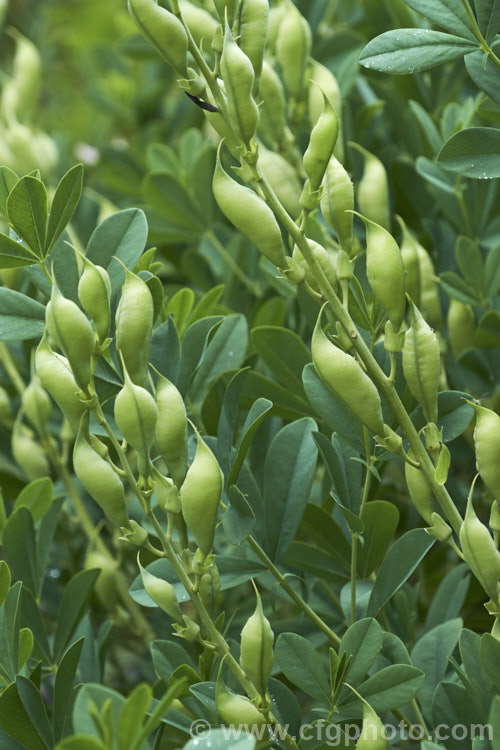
(134,326)
(480,551)
(236,710)
(56,377)
(422,363)
(171,429)
(256,653)
(161,592)
(487,447)
(163,30)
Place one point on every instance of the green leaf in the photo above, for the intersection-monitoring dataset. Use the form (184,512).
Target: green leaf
(397,567)
(218,739)
(362,641)
(457,288)
(381,521)
(288,475)
(404,51)
(132,716)
(488,17)
(168,656)
(494,720)
(36,497)
(470,262)
(26,643)
(8,179)
(123,235)
(490,657)
(455,414)
(228,419)
(16,721)
(450,14)
(299,663)
(20,316)
(165,194)
(255,416)
(309,559)
(473,152)
(487,333)
(179,307)
(35,708)
(326,534)
(64,203)
(27,210)
(9,634)
(13,254)
(73,603)
(20,549)
(193,347)
(484,73)
(64,693)
(91,695)
(449,598)
(239,518)
(287,405)
(284,353)
(82,742)
(344,469)
(431,653)
(392,687)
(5,579)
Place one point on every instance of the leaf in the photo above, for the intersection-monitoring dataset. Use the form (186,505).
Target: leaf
(473,152)
(36,497)
(132,716)
(284,353)
(494,720)
(404,51)
(35,708)
(13,254)
(64,692)
(20,316)
(450,14)
(168,656)
(179,307)
(484,73)
(431,653)
(20,549)
(397,567)
(218,739)
(255,416)
(91,695)
(288,475)
(488,16)
(9,634)
(362,641)
(73,603)
(194,343)
(164,353)
(5,580)
(449,598)
(455,414)
(64,203)
(239,518)
(165,194)
(82,742)
(15,720)
(392,687)
(124,235)
(470,262)
(317,562)
(228,419)
(326,534)
(8,179)
(299,663)
(490,658)
(381,521)
(27,211)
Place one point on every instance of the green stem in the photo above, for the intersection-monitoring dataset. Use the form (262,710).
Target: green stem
(419,715)
(355,538)
(231,263)
(482,41)
(299,601)
(11,369)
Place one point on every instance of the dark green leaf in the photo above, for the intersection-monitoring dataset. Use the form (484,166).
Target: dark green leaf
(9,634)
(431,653)
(326,534)
(392,687)
(255,416)
(309,559)
(36,497)
(8,179)
(20,548)
(488,16)
(455,414)
(228,420)
(27,210)
(35,708)
(284,353)
(362,641)
(298,661)
(165,194)
(473,152)
(450,595)
(15,720)
(20,316)
(63,688)
(64,203)
(194,343)
(484,73)
(490,657)
(381,521)
(450,14)
(13,254)
(239,518)
(165,350)
(73,603)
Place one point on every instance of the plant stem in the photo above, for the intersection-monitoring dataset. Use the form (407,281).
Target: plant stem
(11,369)
(355,538)
(231,263)
(482,41)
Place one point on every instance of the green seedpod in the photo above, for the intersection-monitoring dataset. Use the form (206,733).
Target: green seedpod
(252,33)
(344,376)
(200,496)
(226,8)
(167,494)
(28,453)
(276,15)
(461,327)
(494,522)
(487,448)
(480,551)
(56,377)
(36,404)
(321,144)
(238,76)
(283,179)
(256,653)
(373,735)
(293,49)
(422,363)
(337,203)
(134,326)
(5,408)
(373,190)
(161,592)
(135,534)
(73,334)
(430,305)
(420,491)
(94,292)
(199,21)
(105,587)
(249,214)
(385,271)
(209,589)
(100,480)
(439,529)
(409,254)
(322,80)
(171,428)
(236,710)
(326,260)
(136,416)
(272,107)
(164,30)
(27,75)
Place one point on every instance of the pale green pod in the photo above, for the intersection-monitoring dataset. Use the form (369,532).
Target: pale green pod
(134,326)
(327,261)
(272,121)
(373,735)
(420,491)
(256,652)
(480,551)
(28,453)
(411,264)
(249,214)
(226,8)
(430,305)
(283,179)
(199,21)
(293,49)
(252,33)
(36,404)
(136,416)
(163,30)
(100,480)
(200,496)
(5,407)
(209,589)
(236,710)
(422,363)
(373,190)
(275,19)
(487,448)
(322,83)
(26,71)
(321,144)
(343,374)
(337,203)
(238,76)
(94,293)
(72,332)
(56,377)
(461,327)
(171,429)
(161,592)
(385,271)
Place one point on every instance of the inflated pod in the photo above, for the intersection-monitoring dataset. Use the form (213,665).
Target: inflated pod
(487,448)
(321,144)
(461,327)
(276,15)
(234,709)
(36,404)
(100,480)
(373,735)
(199,21)
(429,294)
(94,293)
(283,179)
(28,453)
(337,203)
(256,652)
(200,496)
(409,254)
(422,363)
(325,259)
(344,376)
(323,80)
(373,190)
(136,416)
(73,334)
(272,120)
(420,491)
(226,8)
(26,72)
(105,587)
(209,588)
(171,428)
(56,377)
(161,592)
(134,326)
(385,271)
(238,76)
(252,33)
(293,49)
(163,30)
(480,551)
(249,214)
